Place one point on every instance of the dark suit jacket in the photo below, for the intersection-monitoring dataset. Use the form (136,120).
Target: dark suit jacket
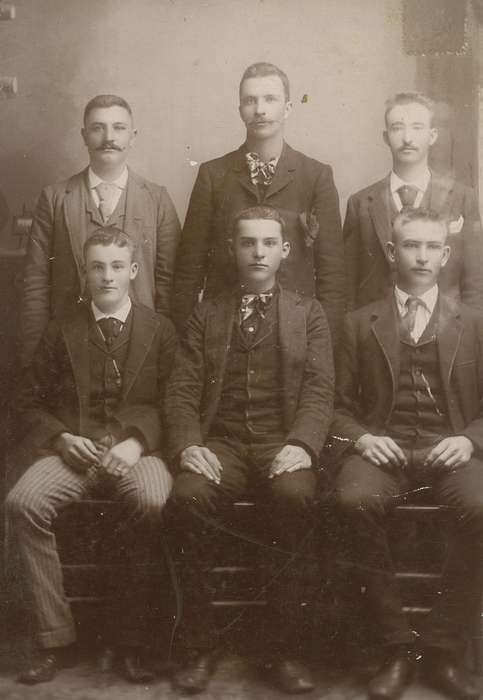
(54,394)
(53,267)
(368,226)
(300,186)
(4,211)
(195,385)
(368,369)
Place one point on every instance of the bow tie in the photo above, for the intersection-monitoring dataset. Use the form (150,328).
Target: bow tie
(260,173)
(254,302)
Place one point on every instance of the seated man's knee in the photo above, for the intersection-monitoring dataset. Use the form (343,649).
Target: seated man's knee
(354,500)
(294,491)
(192,494)
(24,505)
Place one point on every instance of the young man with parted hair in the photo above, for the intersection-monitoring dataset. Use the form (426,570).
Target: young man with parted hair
(106,193)
(248,405)
(410,133)
(408,404)
(89,407)
(263,170)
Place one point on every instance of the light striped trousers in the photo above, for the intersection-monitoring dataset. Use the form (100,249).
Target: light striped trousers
(31,507)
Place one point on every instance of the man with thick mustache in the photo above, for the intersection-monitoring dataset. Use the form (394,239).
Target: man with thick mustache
(107,193)
(410,133)
(263,170)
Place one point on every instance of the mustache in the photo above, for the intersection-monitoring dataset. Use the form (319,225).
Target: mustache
(109,145)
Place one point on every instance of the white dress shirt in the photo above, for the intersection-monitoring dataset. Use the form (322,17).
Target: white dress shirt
(423,312)
(120,182)
(420,183)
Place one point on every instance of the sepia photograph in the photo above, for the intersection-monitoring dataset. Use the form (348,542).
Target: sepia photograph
(241,340)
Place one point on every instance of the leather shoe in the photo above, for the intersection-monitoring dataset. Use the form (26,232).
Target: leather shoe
(453,680)
(194,676)
(292,677)
(48,662)
(133,668)
(392,679)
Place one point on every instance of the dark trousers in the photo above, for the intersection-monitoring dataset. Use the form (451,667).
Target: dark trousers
(199,509)
(366,494)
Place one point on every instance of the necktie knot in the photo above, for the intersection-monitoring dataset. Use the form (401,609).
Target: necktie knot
(110,328)
(260,173)
(107,193)
(407,195)
(252,303)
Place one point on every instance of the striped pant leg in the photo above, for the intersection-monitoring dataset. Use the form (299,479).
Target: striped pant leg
(144,490)
(31,507)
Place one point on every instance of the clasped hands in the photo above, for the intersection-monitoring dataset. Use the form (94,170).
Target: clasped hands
(201,460)
(381,450)
(82,454)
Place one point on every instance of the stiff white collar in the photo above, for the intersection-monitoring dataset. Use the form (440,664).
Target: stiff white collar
(121,314)
(421,182)
(95,180)
(429,298)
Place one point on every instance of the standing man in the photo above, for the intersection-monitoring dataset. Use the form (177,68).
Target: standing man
(107,194)
(408,402)
(410,134)
(263,170)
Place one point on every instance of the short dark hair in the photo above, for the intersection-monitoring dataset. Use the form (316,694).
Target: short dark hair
(408,214)
(104,101)
(260,212)
(262,69)
(110,236)
(407,98)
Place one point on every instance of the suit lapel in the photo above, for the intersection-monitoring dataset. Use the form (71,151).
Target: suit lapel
(440,190)
(74,206)
(135,204)
(219,328)
(76,338)
(450,329)
(143,330)
(292,325)
(284,172)
(385,327)
(380,211)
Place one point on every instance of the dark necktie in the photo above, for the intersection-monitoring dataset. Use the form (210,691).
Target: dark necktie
(409,320)
(110,328)
(260,173)
(407,195)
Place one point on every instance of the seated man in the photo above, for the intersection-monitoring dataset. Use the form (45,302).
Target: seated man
(408,401)
(248,404)
(90,405)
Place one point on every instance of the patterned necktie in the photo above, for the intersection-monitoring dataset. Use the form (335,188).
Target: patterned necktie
(110,328)
(407,195)
(260,173)
(409,320)
(107,192)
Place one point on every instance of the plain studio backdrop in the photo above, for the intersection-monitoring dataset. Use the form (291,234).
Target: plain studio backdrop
(179,62)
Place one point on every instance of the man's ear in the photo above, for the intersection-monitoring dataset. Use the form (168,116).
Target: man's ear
(446,254)
(285,249)
(390,251)
(288,109)
(84,135)
(231,248)
(385,137)
(434,133)
(134,270)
